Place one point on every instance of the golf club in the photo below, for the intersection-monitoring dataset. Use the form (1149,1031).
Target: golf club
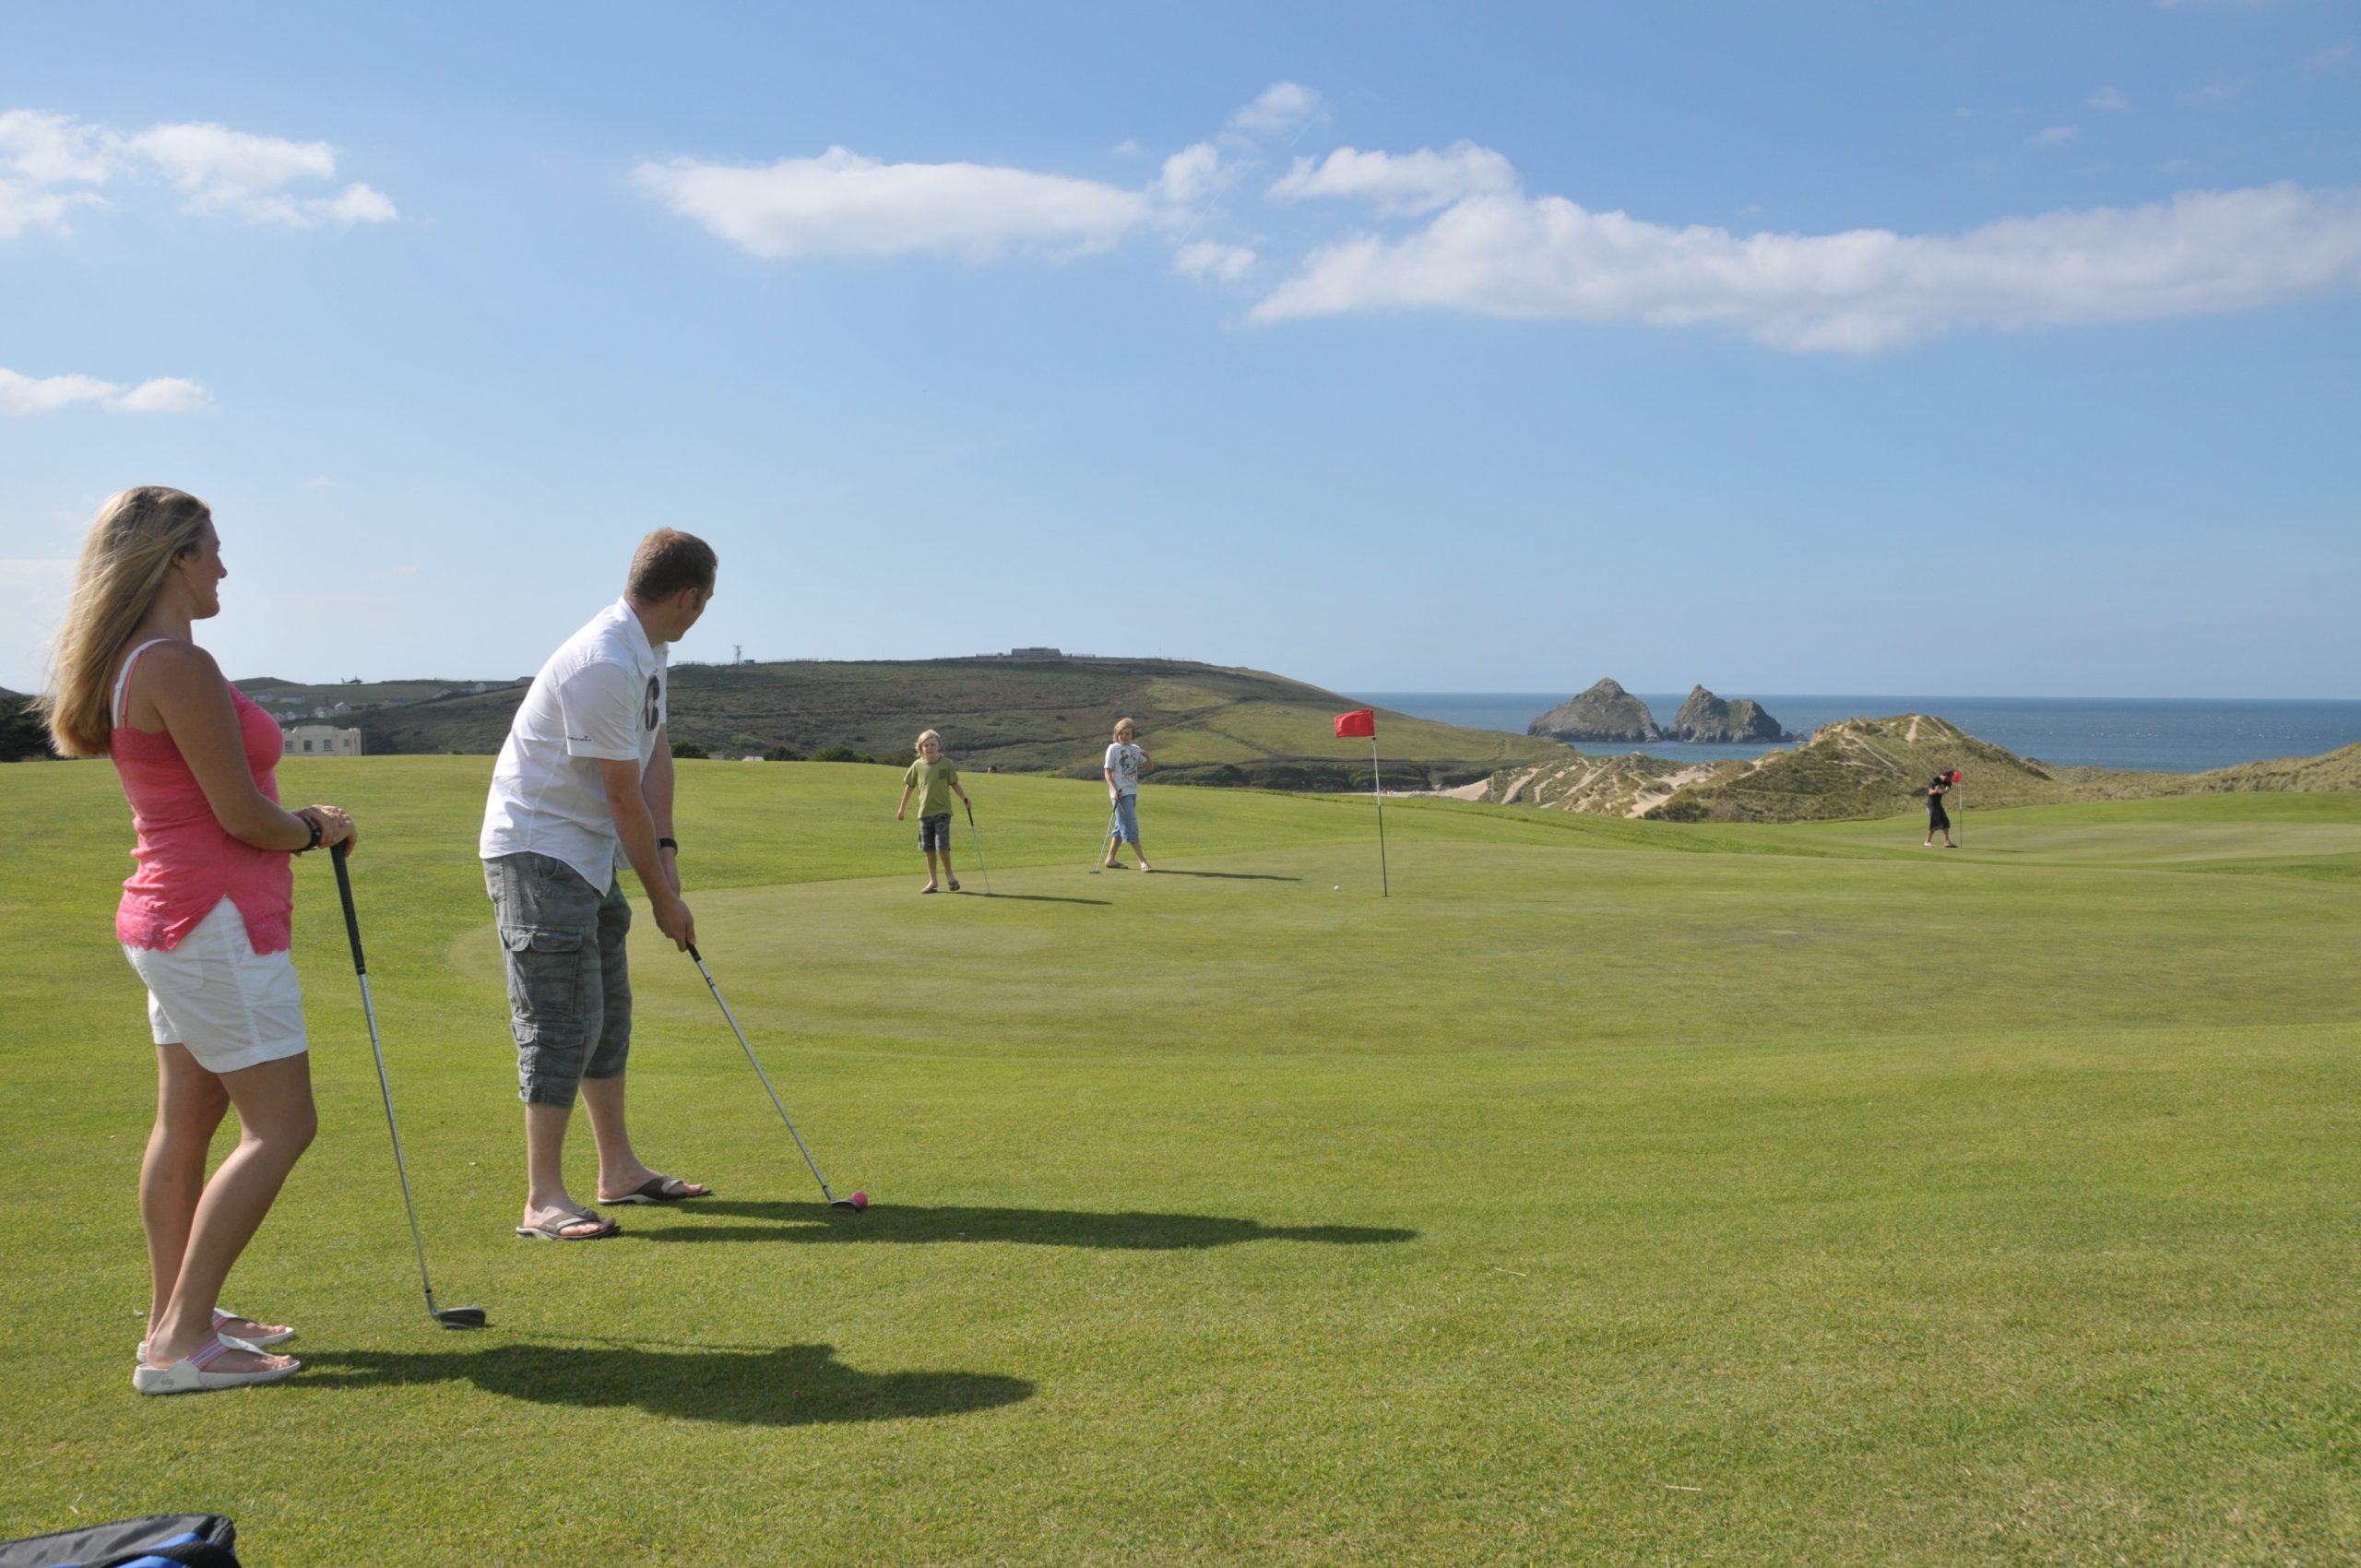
(449,1317)
(853,1205)
(978,840)
(1107,840)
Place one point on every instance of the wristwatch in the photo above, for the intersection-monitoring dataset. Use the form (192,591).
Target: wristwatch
(671,844)
(314,824)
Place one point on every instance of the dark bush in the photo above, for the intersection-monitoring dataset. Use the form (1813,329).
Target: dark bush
(782,753)
(688,749)
(841,752)
(23,737)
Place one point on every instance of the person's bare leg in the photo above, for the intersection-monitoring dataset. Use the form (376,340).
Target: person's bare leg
(930,869)
(276,1125)
(545,1194)
(619,1168)
(190,1103)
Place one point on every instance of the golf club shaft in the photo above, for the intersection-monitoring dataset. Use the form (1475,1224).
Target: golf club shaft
(385,1088)
(1107,839)
(978,838)
(801,1149)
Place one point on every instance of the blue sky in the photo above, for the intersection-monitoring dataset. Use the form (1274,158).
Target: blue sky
(1848,347)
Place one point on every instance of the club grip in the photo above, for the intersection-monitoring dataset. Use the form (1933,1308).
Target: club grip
(694,957)
(351,916)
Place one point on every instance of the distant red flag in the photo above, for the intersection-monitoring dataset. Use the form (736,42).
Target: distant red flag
(1360,722)
(1956,776)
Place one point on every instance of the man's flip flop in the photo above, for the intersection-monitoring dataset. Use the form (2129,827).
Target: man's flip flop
(659,1190)
(556,1229)
(188,1376)
(954,884)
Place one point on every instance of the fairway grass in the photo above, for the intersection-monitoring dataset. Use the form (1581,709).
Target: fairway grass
(1611,1193)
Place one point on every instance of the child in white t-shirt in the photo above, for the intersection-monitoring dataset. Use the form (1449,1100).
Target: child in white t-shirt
(1126,764)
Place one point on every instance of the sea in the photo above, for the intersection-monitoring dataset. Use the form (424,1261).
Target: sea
(2162,734)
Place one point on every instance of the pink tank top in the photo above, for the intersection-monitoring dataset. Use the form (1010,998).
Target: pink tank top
(188,862)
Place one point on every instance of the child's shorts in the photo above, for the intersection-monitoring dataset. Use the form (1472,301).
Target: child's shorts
(934,833)
(231,1006)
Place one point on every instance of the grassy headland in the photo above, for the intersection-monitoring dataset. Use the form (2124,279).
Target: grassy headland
(1205,724)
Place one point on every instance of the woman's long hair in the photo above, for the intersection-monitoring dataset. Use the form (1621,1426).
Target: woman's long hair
(132,545)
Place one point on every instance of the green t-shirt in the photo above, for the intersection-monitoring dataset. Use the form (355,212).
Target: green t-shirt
(933,780)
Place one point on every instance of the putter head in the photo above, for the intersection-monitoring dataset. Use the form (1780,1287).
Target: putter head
(460,1317)
(853,1205)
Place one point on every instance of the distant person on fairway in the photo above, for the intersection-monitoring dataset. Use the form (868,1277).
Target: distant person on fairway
(204,920)
(1937,817)
(587,771)
(936,781)
(1125,765)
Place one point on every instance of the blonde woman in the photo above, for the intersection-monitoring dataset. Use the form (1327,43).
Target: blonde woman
(204,920)
(1126,764)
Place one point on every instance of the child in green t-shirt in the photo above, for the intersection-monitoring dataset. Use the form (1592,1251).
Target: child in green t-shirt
(936,781)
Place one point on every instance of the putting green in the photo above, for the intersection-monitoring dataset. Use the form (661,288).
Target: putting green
(1612,1192)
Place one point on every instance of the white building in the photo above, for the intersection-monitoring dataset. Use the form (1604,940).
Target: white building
(321,739)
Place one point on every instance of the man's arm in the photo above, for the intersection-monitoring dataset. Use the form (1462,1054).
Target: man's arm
(903,804)
(655,784)
(635,826)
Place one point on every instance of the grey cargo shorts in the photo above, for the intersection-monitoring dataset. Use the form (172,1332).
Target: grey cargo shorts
(569,986)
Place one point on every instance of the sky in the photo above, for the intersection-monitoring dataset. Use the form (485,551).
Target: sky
(2009,349)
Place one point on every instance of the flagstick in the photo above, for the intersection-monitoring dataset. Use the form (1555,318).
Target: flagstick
(1377,787)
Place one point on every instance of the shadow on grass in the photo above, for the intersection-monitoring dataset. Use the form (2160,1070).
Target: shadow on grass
(1029,898)
(1230,875)
(1035,1226)
(785,1385)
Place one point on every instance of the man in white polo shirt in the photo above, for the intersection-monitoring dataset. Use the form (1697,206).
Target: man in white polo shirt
(586,772)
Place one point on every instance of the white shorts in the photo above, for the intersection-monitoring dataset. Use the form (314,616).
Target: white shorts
(231,1006)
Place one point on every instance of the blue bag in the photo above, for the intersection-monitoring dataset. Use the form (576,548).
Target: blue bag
(198,1541)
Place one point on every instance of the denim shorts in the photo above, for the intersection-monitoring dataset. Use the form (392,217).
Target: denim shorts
(569,986)
(1127,820)
(934,833)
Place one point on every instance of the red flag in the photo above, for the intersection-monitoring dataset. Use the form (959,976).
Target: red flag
(1360,722)
(1955,774)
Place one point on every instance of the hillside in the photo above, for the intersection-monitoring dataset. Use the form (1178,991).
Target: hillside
(1599,786)
(1205,724)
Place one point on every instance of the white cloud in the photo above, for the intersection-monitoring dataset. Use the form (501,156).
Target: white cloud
(2053,135)
(2109,99)
(2338,59)
(52,150)
(164,394)
(1127,148)
(1281,107)
(25,395)
(1205,259)
(43,158)
(2212,95)
(1403,184)
(1858,291)
(1191,175)
(843,204)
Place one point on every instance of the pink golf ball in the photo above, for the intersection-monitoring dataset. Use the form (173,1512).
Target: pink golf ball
(860,1200)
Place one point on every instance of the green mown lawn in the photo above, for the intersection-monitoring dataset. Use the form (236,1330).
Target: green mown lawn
(1612,1192)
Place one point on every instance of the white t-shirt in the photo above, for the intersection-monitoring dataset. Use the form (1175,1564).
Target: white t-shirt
(601,696)
(1125,762)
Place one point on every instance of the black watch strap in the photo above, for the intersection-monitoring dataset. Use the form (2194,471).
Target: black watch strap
(314,824)
(671,844)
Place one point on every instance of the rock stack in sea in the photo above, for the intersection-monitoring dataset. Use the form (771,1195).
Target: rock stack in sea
(1705,717)
(1605,712)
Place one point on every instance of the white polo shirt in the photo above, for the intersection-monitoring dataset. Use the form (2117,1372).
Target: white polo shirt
(600,697)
